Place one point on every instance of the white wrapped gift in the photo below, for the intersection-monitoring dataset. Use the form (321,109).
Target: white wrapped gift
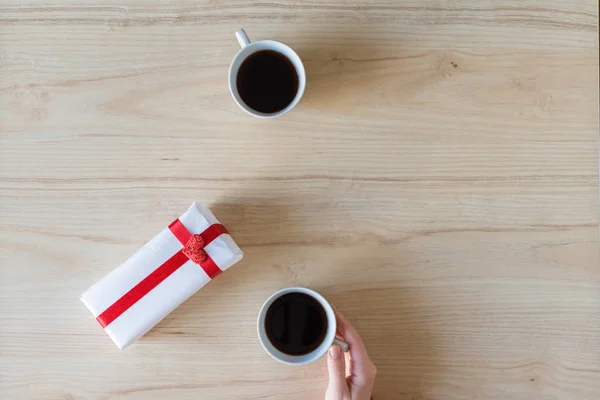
(170,268)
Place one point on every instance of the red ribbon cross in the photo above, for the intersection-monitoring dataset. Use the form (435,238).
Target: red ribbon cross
(193,250)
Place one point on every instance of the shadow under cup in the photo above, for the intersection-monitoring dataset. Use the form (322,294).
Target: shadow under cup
(252,49)
(321,349)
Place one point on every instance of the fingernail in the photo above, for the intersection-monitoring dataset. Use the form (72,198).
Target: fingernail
(335,351)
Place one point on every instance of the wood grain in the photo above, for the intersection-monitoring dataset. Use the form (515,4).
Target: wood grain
(438,183)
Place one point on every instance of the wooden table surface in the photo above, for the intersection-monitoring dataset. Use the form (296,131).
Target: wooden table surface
(438,183)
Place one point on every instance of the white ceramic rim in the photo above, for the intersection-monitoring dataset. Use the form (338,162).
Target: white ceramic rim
(252,48)
(306,358)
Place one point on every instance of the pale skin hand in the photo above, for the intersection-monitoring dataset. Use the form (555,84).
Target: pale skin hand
(351,375)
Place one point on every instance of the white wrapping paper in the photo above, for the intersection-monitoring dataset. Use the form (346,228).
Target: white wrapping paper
(170,293)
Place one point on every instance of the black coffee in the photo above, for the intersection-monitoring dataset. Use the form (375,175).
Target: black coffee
(296,324)
(267,81)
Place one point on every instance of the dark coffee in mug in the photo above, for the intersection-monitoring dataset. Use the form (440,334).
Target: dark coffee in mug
(296,324)
(267,81)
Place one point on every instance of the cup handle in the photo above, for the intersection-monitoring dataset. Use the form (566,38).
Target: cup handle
(345,346)
(241,36)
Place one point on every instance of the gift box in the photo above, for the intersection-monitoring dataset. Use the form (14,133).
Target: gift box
(180,260)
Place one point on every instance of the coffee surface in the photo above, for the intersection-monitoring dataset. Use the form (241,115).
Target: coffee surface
(267,81)
(296,324)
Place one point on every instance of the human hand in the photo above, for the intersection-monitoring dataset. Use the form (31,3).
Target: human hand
(351,375)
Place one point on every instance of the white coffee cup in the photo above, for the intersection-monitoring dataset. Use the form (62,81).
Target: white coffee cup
(249,48)
(329,340)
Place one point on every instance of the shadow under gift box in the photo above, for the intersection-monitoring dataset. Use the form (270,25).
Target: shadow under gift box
(160,276)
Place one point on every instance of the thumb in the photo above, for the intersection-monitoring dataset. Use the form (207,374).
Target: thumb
(338,388)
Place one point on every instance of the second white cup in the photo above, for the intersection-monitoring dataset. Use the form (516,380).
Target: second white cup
(247,50)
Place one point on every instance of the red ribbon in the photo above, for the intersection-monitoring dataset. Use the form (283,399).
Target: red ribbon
(167,268)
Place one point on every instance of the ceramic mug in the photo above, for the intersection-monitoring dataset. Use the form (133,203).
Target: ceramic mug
(249,48)
(329,340)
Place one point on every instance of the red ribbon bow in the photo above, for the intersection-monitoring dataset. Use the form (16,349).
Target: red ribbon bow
(193,250)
